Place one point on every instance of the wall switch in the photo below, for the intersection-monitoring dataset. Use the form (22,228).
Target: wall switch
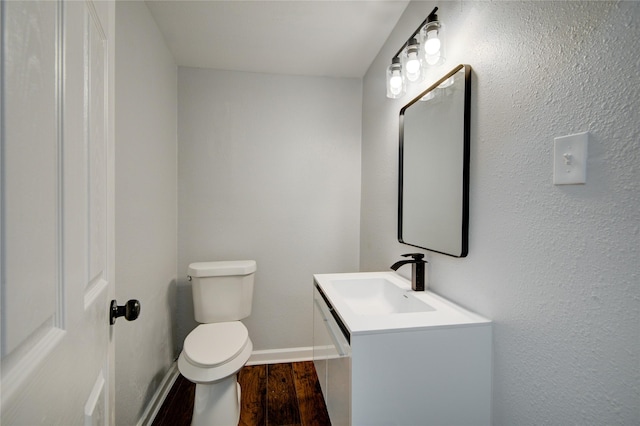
(570,159)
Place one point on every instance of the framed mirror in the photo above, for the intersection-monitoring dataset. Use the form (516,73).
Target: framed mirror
(433,196)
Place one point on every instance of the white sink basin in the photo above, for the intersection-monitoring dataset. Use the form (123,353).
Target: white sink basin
(373,302)
(378,296)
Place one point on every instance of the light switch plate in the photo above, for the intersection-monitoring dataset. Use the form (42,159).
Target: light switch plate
(570,159)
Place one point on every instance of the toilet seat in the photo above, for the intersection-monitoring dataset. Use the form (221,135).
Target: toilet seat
(211,345)
(213,352)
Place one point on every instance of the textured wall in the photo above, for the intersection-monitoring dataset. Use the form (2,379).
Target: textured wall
(269,169)
(556,267)
(146,212)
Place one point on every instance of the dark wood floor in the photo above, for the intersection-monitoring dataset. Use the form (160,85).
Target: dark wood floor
(272,394)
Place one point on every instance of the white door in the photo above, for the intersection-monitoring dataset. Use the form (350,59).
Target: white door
(57,213)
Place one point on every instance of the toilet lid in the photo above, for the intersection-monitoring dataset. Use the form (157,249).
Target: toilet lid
(210,345)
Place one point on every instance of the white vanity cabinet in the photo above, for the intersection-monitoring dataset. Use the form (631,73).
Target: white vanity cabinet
(332,360)
(436,374)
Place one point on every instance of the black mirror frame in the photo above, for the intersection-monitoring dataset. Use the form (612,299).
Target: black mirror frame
(466,160)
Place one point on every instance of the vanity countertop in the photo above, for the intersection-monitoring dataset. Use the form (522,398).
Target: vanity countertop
(374,302)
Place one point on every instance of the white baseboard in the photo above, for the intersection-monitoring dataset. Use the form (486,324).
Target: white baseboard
(158,398)
(278,356)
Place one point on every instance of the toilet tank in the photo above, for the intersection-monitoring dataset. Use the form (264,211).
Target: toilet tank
(222,291)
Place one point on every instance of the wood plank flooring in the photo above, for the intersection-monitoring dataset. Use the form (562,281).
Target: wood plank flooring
(272,394)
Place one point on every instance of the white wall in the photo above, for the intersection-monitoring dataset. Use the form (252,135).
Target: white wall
(146,207)
(556,267)
(269,169)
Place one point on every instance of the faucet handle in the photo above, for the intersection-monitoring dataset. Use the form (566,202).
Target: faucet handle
(418,257)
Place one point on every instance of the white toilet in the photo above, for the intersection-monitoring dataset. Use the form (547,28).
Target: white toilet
(219,347)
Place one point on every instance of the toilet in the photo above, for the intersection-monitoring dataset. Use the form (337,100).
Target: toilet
(219,347)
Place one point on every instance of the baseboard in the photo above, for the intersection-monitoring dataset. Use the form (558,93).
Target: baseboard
(158,398)
(278,356)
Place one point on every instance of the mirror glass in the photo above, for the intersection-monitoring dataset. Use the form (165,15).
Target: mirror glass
(433,205)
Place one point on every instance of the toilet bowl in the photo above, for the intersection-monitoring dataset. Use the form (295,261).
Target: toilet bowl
(212,356)
(217,349)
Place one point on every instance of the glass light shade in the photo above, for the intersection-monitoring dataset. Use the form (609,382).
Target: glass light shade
(432,39)
(412,58)
(395,80)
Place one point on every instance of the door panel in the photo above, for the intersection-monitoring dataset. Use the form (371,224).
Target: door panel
(31,189)
(57,213)
(96,56)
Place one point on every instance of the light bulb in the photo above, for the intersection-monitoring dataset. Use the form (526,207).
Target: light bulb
(432,44)
(395,84)
(413,63)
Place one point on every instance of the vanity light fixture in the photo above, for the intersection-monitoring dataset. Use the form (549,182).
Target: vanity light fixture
(423,49)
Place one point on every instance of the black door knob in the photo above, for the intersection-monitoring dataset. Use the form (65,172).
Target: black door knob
(130,310)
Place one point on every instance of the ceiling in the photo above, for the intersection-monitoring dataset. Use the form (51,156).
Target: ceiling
(333,38)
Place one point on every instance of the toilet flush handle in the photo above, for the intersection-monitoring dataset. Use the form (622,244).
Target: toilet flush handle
(130,310)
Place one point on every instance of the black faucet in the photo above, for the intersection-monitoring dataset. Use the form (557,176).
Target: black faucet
(417,269)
